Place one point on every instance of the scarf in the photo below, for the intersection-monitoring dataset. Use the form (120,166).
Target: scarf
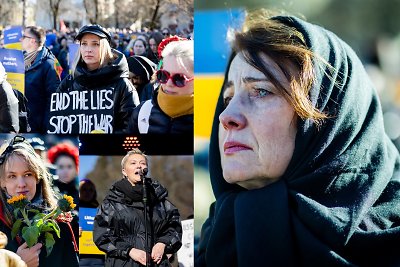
(30,57)
(134,193)
(175,105)
(338,203)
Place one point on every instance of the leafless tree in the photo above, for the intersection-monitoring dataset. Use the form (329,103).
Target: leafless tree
(92,10)
(7,9)
(55,7)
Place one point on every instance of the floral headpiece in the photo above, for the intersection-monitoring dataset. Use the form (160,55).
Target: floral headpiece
(164,43)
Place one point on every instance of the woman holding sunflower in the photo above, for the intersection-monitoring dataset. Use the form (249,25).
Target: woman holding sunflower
(36,225)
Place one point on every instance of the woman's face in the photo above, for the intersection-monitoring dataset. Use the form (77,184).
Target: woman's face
(153,45)
(18,178)
(257,129)
(133,165)
(138,48)
(175,65)
(90,50)
(66,169)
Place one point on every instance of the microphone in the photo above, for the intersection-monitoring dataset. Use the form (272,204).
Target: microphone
(144,171)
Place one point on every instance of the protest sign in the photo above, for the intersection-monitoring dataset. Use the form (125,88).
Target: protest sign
(13,62)
(86,220)
(81,112)
(72,53)
(185,253)
(12,36)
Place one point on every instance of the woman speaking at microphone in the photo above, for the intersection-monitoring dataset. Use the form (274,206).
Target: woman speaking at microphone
(120,225)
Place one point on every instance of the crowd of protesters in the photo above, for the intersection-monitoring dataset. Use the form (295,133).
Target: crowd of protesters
(133,70)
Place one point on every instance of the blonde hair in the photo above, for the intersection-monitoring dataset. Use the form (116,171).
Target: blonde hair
(182,50)
(39,170)
(134,151)
(105,51)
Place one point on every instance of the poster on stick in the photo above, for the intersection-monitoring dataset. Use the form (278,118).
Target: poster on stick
(81,112)
(13,63)
(12,37)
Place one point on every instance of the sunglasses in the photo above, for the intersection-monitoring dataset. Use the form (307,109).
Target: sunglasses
(11,147)
(178,79)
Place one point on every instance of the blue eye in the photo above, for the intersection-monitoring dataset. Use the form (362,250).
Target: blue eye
(261,92)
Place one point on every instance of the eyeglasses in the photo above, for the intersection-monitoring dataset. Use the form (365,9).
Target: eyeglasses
(178,79)
(12,146)
(24,36)
(165,33)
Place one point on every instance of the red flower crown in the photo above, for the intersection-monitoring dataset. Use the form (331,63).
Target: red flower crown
(166,41)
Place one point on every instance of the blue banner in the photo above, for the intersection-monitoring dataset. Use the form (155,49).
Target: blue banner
(212,47)
(86,218)
(12,60)
(72,53)
(12,35)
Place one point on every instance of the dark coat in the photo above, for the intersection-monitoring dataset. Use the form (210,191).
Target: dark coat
(63,253)
(9,121)
(115,76)
(119,226)
(161,123)
(63,59)
(338,202)
(41,80)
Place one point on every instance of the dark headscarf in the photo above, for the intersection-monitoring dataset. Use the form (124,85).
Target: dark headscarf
(338,203)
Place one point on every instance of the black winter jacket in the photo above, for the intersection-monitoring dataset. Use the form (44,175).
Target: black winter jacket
(119,226)
(159,122)
(8,108)
(115,76)
(41,80)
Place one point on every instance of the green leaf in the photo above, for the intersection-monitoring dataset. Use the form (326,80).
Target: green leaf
(39,223)
(31,235)
(47,227)
(16,210)
(38,216)
(35,211)
(56,228)
(15,228)
(49,242)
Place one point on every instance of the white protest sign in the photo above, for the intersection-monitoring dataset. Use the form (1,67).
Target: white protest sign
(186,252)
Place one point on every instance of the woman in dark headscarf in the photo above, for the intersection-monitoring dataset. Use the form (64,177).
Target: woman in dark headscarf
(301,167)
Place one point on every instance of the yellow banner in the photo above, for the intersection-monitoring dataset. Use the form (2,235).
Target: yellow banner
(17,81)
(17,46)
(207,90)
(86,245)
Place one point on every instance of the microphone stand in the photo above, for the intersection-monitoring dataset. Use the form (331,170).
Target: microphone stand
(143,178)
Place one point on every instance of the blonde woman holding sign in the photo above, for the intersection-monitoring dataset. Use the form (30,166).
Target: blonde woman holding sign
(97,96)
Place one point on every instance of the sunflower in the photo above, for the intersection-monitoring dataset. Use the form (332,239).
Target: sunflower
(19,201)
(66,203)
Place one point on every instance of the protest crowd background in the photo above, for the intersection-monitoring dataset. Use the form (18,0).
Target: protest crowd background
(132,33)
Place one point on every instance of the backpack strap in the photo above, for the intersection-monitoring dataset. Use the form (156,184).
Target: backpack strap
(144,117)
